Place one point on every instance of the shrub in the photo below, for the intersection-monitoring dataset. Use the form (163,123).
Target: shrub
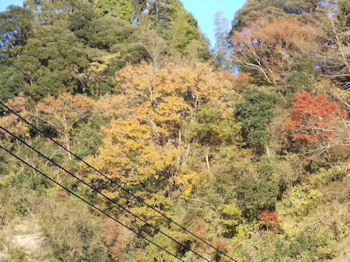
(231,218)
(269,221)
(255,196)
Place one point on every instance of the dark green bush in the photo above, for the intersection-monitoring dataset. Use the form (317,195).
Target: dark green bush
(256,114)
(256,195)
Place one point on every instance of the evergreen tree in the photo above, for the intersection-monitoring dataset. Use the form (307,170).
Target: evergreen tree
(121,9)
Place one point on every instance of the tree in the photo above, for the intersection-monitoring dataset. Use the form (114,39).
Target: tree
(276,9)
(52,61)
(269,221)
(46,12)
(157,48)
(15,28)
(336,59)
(255,196)
(314,119)
(54,114)
(269,48)
(145,132)
(109,31)
(222,53)
(173,23)
(116,8)
(80,21)
(185,32)
(11,122)
(11,80)
(212,128)
(166,97)
(144,167)
(184,29)
(256,114)
(302,75)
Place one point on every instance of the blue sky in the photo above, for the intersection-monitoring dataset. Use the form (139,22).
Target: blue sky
(6,3)
(203,10)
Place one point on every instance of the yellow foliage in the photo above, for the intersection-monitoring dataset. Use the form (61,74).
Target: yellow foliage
(143,146)
(12,122)
(188,179)
(102,63)
(303,199)
(130,157)
(65,114)
(167,95)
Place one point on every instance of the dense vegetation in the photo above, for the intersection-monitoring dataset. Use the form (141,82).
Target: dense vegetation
(246,146)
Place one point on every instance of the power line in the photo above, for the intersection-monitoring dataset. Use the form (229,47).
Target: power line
(90,204)
(100,193)
(116,183)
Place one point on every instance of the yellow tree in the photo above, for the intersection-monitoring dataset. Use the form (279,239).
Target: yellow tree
(144,150)
(131,158)
(167,96)
(64,115)
(11,122)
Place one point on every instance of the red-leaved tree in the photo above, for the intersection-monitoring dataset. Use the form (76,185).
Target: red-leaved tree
(269,221)
(314,119)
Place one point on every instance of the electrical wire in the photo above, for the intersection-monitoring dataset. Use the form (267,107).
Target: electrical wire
(90,204)
(100,193)
(114,182)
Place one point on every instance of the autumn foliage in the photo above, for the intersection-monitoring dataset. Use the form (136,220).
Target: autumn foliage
(268,48)
(10,121)
(154,124)
(313,119)
(269,221)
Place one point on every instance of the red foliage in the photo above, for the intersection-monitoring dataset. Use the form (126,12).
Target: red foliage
(313,119)
(268,220)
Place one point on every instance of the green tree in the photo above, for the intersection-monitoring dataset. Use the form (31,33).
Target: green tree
(175,24)
(122,9)
(302,76)
(15,28)
(212,128)
(256,195)
(11,80)
(108,31)
(53,61)
(276,9)
(80,20)
(47,12)
(256,114)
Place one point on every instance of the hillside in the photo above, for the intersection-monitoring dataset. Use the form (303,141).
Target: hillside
(124,138)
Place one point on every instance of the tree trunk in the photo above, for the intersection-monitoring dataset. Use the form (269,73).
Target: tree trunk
(207,161)
(267,151)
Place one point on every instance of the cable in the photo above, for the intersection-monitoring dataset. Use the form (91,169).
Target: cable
(120,186)
(112,181)
(87,202)
(98,192)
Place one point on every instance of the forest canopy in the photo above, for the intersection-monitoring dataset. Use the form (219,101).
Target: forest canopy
(240,153)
